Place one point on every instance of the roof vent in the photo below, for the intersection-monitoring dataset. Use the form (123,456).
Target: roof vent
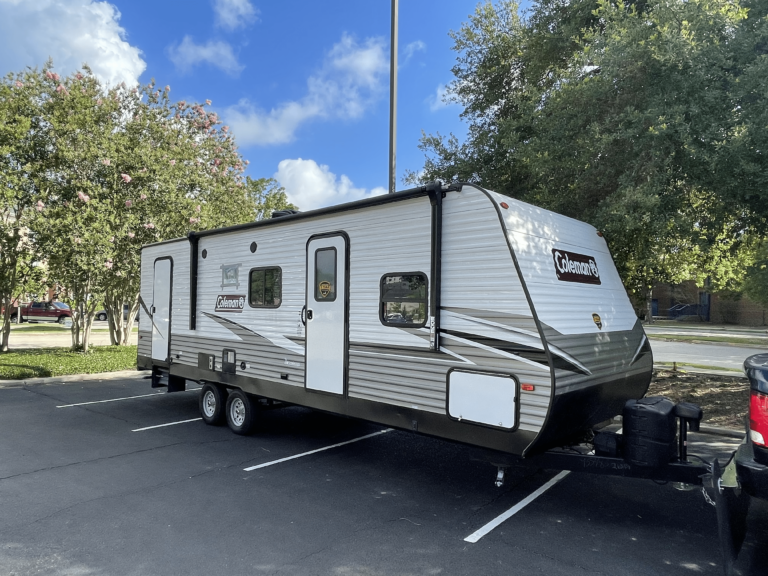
(281,213)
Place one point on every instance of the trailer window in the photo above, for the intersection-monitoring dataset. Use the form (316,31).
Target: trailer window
(265,287)
(403,299)
(325,275)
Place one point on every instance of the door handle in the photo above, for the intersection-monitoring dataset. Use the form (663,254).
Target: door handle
(303,315)
(309,314)
(152,310)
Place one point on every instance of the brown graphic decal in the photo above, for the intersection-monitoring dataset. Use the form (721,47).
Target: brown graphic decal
(325,288)
(574,267)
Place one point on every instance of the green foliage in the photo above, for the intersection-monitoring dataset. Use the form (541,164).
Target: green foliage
(756,282)
(90,173)
(40,362)
(266,196)
(645,119)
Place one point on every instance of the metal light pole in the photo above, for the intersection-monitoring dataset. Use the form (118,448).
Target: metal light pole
(393,101)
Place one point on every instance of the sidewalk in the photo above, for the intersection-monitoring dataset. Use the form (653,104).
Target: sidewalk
(705,329)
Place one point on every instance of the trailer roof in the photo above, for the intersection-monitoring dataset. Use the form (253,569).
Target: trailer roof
(347,206)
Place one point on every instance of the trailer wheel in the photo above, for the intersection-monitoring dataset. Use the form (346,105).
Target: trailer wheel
(212,404)
(241,412)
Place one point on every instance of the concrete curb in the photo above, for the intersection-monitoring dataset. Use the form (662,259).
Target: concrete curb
(121,374)
(708,342)
(720,431)
(682,368)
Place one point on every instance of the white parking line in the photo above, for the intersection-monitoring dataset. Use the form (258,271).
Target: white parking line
(475,536)
(126,398)
(316,451)
(164,425)
(112,400)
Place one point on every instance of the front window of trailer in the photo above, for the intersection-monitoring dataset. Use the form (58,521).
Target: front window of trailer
(404,299)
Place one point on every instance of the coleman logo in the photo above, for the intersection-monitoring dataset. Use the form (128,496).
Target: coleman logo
(325,288)
(574,267)
(597,320)
(229,303)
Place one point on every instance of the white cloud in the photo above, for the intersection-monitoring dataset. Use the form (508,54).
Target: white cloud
(348,82)
(438,100)
(187,55)
(309,185)
(410,50)
(72,32)
(232,14)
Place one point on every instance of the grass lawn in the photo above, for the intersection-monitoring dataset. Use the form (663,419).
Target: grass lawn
(723,339)
(34,363)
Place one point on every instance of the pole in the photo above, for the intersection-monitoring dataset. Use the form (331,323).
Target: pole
(393,102)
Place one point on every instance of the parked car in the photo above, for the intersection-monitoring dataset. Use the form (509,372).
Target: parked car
(102,314)
(752,456)
(43,312)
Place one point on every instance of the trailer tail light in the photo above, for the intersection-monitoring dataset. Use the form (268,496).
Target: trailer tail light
(758,418)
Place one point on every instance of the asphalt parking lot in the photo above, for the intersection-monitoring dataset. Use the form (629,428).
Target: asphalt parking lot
(103,478)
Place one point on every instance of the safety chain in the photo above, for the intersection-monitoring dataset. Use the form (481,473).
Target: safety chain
(707,497)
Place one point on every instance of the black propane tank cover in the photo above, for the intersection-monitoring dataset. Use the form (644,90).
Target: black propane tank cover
(649,430)
(690,412)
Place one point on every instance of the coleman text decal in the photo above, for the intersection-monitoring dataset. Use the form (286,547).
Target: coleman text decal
(574,267)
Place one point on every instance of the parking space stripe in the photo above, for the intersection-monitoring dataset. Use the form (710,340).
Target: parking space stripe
(111,400)
(249,469)
(475,536)
(126,398)
(168,424)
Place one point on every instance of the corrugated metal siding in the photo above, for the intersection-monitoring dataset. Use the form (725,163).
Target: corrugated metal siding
(566,306)
(145,343)
(482,295)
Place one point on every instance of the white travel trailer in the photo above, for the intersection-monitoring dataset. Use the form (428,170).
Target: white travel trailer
(449,310)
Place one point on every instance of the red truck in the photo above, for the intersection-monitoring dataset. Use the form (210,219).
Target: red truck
(43,312)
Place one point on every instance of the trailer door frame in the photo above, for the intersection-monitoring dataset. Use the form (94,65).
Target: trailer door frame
(162,294)
(327,313)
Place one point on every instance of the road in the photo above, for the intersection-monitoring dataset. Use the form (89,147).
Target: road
(139,485)
(24,339)
(715,355)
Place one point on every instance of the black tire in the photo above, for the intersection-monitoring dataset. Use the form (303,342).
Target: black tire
(62,319)
(213,401)
(102,316)
(13,318)
(241,412)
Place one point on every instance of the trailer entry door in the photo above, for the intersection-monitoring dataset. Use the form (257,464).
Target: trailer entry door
(326,314)
(161,309)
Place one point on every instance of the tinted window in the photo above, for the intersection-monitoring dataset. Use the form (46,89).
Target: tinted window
(404,299)
(265,287)
(325,275)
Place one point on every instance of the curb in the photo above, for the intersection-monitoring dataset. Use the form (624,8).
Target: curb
(708,342)
(720,431)
(121,374)
(683,369)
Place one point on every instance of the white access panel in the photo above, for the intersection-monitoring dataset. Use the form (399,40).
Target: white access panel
(483,398)
(326,314)
(161,309)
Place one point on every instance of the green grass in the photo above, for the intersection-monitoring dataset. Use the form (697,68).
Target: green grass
(722,339)
(34,363)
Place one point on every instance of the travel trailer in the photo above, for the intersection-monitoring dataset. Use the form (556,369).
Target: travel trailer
(448,310)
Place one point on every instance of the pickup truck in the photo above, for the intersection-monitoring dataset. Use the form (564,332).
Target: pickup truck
(43,312)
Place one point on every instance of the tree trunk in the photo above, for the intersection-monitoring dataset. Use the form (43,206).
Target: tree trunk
(649,306)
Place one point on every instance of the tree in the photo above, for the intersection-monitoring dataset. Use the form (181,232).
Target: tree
(626,115)
(266,196)
(24,153)
(129,168)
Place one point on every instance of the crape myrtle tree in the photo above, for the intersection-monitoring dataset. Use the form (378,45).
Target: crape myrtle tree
(131,167)
(646,119)
(24,154)
(266,196)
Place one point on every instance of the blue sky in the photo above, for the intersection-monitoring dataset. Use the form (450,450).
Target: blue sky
(303,84)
